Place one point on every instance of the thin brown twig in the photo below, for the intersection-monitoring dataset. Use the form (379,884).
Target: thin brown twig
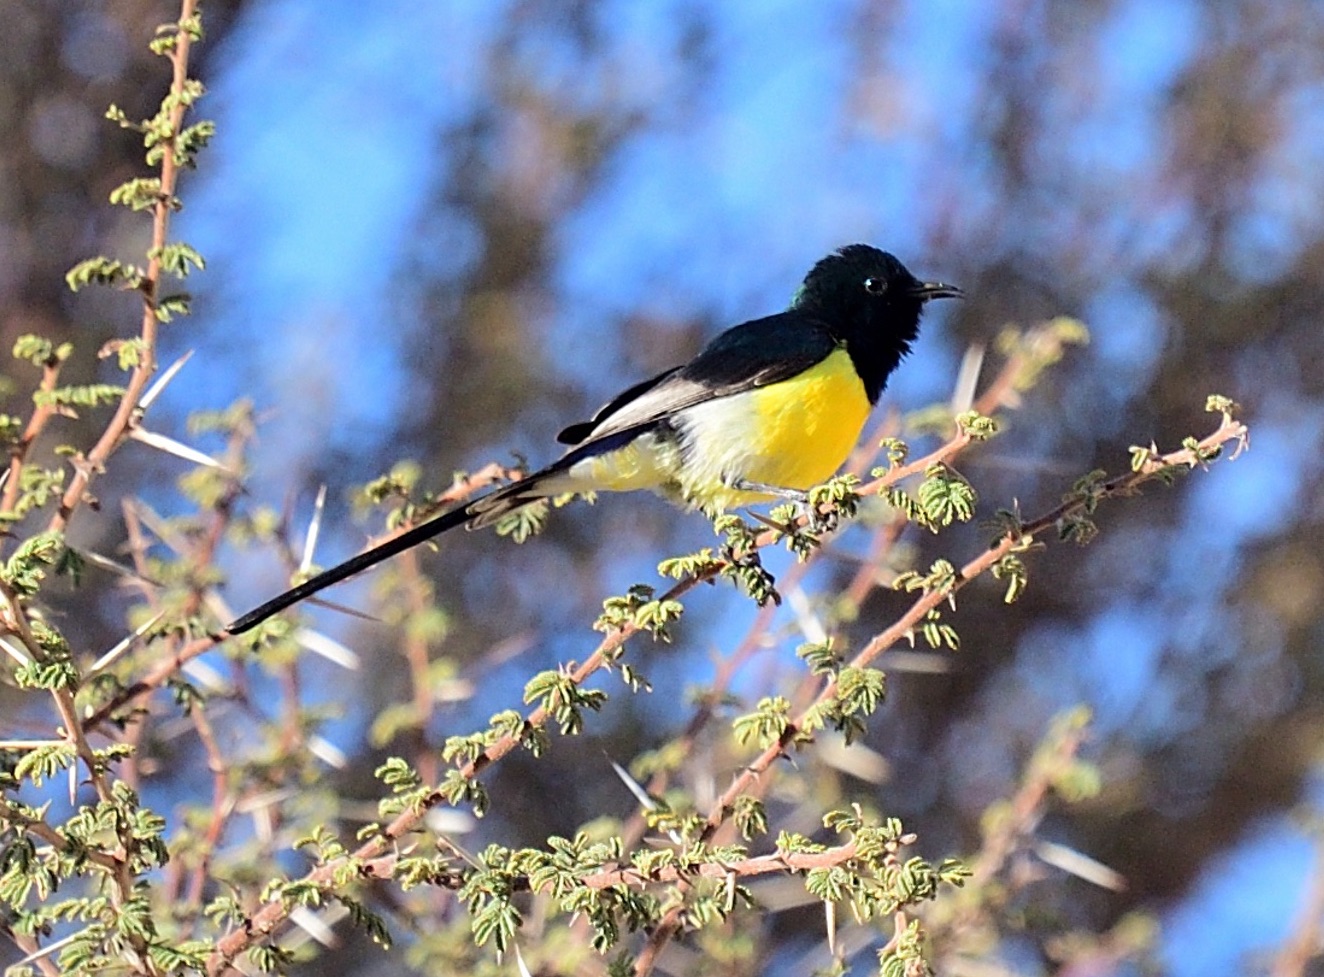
(1004,836)
(1026,804)
(138,545)
(418,659)
(126,413)
(42,830)
(608,877)
(222,804)
(41,414)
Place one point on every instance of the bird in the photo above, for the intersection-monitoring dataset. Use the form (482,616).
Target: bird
(768,409)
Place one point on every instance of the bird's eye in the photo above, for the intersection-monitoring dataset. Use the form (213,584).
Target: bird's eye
(875,286)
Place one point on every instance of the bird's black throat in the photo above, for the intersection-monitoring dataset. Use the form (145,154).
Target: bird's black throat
(876,347)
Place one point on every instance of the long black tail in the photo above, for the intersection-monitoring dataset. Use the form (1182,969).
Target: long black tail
(480,512)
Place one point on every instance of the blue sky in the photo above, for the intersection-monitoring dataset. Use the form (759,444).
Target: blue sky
(327,162)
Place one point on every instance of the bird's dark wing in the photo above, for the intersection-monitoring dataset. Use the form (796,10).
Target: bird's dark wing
(576,433)
(753,354)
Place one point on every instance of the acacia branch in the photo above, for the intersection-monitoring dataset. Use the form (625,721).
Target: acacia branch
(41,414)
(40,829)
(126,413)
(616,875)
(1230,430)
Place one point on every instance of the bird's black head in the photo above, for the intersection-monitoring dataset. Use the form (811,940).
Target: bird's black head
(871,303)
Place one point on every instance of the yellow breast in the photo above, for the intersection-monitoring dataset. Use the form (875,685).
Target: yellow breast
(809,424)
(793,434)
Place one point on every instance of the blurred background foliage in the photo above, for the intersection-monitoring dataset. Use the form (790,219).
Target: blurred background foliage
(442,231)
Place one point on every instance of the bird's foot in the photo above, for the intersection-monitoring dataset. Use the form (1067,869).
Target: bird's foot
(798,497)
(790,495)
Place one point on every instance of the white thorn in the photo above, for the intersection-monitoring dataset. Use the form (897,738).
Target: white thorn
(1080,865)
(811,626)
(124,645)
(333,651)
(15,652)
(172,447)
(314,528)
(967,378)
(166,376)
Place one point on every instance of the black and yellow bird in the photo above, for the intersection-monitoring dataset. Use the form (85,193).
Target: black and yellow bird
(766,410)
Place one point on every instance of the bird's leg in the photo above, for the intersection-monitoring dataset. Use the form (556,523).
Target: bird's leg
(789,494)
(815,520)
(800,498)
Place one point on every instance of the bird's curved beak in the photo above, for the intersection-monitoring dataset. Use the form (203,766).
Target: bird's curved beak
(936,290)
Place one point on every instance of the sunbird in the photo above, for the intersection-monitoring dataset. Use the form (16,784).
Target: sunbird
(765,411)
